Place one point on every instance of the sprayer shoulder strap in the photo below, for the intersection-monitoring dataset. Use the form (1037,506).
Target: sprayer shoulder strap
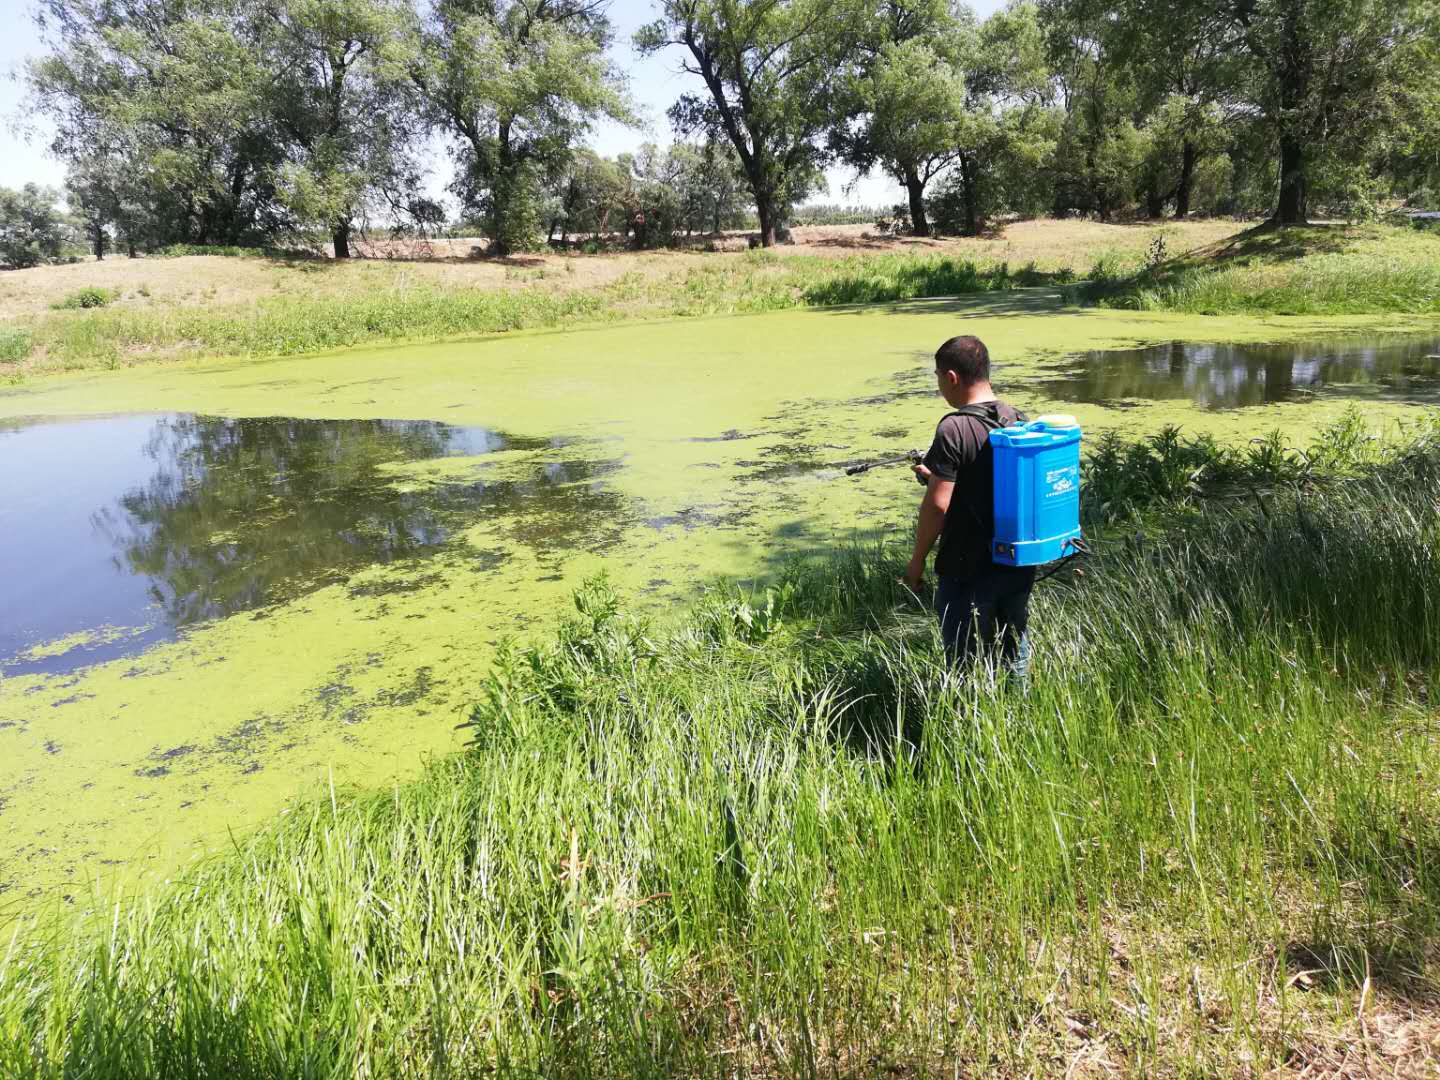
(990,423)
(981,413)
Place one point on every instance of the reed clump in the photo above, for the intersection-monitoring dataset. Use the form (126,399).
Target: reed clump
(777,838)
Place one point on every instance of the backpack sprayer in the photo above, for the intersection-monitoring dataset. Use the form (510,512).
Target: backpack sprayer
(1037,489)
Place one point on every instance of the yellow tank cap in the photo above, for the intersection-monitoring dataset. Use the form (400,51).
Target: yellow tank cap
(1057,420)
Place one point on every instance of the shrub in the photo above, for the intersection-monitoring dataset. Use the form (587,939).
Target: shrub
(15,344)
(896,222)
(31,231)
(92,296)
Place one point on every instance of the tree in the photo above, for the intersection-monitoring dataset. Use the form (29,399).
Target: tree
(1005,122)
(1185,69)
(771,70)
(1323,78)
(348,110)
(1098,156)
(32,230)
(711,186)
(1412,155)
(518,84)
(1180,135)
(91,200)
(915,101)
(168,99)
(589,196)
(906,90)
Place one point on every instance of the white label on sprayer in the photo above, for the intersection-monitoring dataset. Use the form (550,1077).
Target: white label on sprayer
(1061,481)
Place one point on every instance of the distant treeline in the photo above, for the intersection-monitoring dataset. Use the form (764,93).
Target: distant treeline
(247,123)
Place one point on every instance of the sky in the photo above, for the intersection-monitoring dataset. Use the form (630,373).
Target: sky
(655,82)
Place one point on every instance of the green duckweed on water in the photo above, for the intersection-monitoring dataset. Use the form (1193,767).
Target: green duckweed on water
(664,454)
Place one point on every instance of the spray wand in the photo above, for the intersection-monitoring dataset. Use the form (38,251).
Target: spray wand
(910,457)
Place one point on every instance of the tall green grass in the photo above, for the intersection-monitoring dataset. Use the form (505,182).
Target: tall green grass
(1333,287)
(290,325)
(1322,271)
(15,344)
(778,838)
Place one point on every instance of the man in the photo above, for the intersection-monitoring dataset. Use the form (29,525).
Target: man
(981,604)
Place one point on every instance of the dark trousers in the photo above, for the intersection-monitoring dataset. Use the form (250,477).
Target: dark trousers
(987,614)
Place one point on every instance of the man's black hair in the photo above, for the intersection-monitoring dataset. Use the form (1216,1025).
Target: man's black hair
(966,356)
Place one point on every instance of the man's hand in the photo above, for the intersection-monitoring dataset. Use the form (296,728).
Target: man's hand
(922,474)
(915,574)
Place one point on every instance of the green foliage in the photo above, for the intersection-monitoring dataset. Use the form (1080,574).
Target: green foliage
(911,91)
(910,277)
(780,814)
(162,110)
(653,195)
(1124,479)
(518,85)
(932,92)
(15,344)
(190,122)
(31,229)
(348,105)
(1286,272)
(773,72)
(285,325)
(1109,268)
(228,251)
(830,214)
(92,296)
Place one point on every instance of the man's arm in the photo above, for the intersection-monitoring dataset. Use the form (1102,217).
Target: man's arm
(933,506)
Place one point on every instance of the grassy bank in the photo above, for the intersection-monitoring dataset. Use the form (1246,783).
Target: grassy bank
(775,839)
(289,324)
(256,306)
(1313,270)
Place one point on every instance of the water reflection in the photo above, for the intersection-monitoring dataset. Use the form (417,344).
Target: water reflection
(1233,376)
(128,528)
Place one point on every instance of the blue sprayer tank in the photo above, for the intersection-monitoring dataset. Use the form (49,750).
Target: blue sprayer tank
(1037,491)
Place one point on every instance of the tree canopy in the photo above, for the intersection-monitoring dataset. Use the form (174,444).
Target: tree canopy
(267,122)
(771,71)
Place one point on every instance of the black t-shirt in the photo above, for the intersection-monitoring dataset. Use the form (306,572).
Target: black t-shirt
(961,453)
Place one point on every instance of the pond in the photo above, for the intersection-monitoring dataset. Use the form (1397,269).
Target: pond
(206,607)
(1229,376)
(117,532)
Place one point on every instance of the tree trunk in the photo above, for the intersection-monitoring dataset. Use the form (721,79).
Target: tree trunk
(915,188)
(340,239)
(1154,203)
(1188,155)
(1292,207)
(501,192)
(969,177)
(98,242)
(1295,66)
(765,210)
